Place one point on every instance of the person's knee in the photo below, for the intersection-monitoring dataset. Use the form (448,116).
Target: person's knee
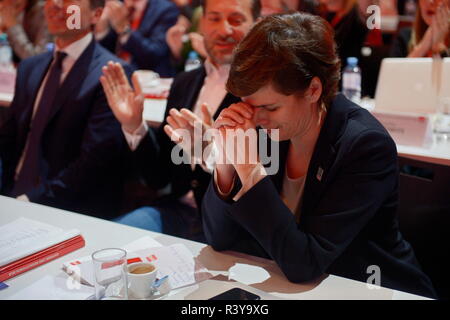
(147,218)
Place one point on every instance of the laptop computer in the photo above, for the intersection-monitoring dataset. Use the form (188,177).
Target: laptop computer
(407,85)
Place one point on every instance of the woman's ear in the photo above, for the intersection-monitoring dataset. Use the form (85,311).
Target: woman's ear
(314,91)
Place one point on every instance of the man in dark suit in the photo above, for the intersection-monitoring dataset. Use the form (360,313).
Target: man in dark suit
(137,33)
(60,144)
(195,96)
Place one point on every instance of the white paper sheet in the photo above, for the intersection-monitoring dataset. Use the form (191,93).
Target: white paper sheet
(54,288)
(23,237)
(176,261)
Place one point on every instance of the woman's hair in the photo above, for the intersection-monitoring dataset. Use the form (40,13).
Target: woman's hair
(418,30)
(286,51)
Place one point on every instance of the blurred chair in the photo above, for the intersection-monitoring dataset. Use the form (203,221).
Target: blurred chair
(3,114)
(424,217)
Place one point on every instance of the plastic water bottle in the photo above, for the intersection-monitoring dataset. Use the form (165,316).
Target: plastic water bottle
(6,54)
(351,80)
(193,62)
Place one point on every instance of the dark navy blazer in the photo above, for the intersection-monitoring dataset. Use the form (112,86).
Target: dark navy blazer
(348,212)
(82,144)
(147,45)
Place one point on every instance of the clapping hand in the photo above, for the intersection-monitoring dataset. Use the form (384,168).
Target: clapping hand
(174,39)
(198,43)
(117,15)
(185,119)
(440,27)
(126,103)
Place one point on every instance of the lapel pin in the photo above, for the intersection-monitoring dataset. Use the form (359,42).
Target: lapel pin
(319,174)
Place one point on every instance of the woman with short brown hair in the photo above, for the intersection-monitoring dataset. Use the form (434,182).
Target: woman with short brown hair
(330,208)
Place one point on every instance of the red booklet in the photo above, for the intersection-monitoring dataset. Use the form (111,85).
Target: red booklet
(26,244)
(20,266)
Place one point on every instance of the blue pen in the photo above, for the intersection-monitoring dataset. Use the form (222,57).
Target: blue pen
(3,286)
(159,282)
(161,286)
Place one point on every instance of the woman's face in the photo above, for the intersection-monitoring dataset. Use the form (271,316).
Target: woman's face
(428,9)
(291,115)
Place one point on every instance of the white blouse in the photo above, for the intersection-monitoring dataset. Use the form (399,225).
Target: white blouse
(292,192)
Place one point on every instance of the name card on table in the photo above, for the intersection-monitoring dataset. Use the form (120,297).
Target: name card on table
(407,129)
(154,111)
(7,82)
(156,91)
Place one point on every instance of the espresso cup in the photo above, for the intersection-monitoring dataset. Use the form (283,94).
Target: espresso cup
(141,276)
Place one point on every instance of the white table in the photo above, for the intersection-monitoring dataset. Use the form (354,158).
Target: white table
(437,153)
(100,234)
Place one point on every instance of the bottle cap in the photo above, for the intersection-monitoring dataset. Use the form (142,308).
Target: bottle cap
(352,61)
(193,55)
(50,46)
